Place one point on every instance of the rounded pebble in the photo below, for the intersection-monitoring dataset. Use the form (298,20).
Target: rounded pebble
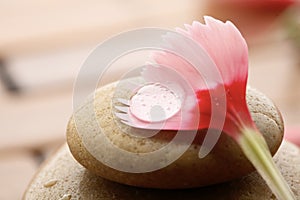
(225,162)
(75,180)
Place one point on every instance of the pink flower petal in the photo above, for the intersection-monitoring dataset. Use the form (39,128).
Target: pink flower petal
(225,45)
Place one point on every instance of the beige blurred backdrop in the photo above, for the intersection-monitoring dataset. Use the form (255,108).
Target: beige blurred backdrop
(44,43)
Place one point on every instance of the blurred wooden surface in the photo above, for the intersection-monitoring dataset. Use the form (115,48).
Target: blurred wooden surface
(16,170)
(32,25)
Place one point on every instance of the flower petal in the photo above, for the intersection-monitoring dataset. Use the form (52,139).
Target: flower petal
(224,44)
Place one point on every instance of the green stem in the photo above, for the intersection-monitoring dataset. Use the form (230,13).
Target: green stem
(257,151)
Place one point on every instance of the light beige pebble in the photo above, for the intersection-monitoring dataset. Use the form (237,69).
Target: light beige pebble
(82,184)
(66,197)
(50,183)
(225,162)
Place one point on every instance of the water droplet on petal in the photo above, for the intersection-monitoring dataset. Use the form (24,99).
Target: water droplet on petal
(158,103)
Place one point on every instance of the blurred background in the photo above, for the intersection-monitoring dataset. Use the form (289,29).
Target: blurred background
(44,43)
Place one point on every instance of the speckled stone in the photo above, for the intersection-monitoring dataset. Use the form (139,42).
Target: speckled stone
(225,162)
(79,183)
